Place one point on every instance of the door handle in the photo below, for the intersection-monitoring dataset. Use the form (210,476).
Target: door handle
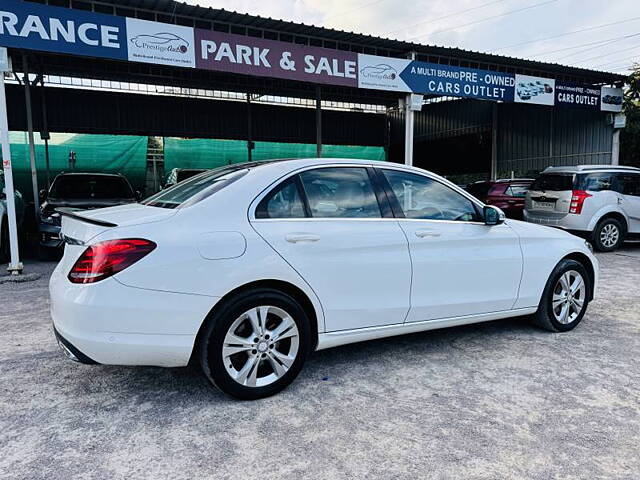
(301,237)
(619,200)
(427,233)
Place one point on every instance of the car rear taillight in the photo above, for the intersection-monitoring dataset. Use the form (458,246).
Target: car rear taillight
(577,200)
(104,259)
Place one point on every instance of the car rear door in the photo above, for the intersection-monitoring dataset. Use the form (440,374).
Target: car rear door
(629,188)
(460,265)
(337,231)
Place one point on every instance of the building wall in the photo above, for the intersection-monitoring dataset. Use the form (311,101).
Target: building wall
(530,137)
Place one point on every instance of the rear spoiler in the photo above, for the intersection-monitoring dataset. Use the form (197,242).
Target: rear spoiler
(72,213)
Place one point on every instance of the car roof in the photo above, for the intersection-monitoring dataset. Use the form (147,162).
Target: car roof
(590,168)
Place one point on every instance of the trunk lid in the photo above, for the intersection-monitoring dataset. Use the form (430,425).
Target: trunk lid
(80,226)
(550,195)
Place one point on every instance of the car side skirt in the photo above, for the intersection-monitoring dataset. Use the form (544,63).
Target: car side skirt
(344,337)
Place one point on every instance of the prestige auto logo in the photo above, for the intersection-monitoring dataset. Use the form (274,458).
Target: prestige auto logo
(161,42)
(382,71)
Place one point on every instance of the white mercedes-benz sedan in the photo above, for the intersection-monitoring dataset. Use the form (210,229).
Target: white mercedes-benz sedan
(248,268)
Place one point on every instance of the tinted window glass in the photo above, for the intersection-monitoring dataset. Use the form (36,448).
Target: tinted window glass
(479,190)
(629,184)
(424,198)
(595,182)
(283,202)
(196,188)
(554,182)
(341,192)
(77,187)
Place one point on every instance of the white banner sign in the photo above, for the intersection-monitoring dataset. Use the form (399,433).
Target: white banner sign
(611,99)
(160,43)
(534,90)
(382,73)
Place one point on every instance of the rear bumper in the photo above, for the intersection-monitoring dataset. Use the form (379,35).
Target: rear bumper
(572,222)
(110,323)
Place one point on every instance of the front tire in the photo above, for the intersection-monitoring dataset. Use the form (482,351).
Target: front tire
(608,235)
(255,344)
(565,297)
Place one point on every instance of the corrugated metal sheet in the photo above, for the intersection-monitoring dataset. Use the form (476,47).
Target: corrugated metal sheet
(531,137)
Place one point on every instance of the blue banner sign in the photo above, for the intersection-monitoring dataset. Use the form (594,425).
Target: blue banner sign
(61,30)
(445,80)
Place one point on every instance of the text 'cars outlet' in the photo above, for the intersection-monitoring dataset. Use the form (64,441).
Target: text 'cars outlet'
(248,268)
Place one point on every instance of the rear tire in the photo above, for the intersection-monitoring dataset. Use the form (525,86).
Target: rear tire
(255,344)
(608,235)
(565,297)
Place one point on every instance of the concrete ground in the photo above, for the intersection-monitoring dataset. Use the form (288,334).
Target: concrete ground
(495,400)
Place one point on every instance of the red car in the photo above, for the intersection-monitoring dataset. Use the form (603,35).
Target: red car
(508,195)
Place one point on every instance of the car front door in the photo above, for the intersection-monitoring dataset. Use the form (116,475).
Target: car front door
(339,234)
(460,265)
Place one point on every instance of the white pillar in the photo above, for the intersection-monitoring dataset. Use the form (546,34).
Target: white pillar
(408,131)
(15,267)
(408,125)
(615,148)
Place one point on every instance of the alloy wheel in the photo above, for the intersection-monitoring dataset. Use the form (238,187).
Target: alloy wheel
(569,295)
(609,235)
(260,346)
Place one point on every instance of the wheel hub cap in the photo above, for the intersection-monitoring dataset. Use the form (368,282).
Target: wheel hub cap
(260,346)
(568,297)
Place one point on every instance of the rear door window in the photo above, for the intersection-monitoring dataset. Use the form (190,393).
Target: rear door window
(517,191)
(629,184)
(596,182)
(284,201)
(554,182)
(340,192)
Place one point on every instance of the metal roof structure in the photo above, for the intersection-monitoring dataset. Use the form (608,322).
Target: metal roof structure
(174,12)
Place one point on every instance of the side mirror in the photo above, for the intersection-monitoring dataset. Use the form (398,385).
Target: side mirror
(493,215)
(138,195)
(42,194)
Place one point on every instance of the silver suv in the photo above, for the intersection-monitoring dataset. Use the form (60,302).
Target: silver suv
(599,202)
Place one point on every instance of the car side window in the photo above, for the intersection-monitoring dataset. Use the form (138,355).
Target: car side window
(421,197)
(517,191)
(284,201)
(598,182)
(340,192)
(629,184)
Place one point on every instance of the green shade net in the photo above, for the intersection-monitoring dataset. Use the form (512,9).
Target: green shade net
(210,153)
(94,153)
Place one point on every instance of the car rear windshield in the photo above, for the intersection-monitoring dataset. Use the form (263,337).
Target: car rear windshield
(100,187)
(196,188)
(554,182)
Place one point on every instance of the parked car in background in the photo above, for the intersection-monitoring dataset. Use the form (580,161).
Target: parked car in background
(177,175)
(601,203)
(4,219)
(79,191)
(248,268)
(507,195)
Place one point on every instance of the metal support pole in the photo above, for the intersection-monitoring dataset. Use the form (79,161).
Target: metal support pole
(44,133)
(249,130)
(615,147)
(32,148)
(15,267)
(318,122)
(494,142)
(408,125)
